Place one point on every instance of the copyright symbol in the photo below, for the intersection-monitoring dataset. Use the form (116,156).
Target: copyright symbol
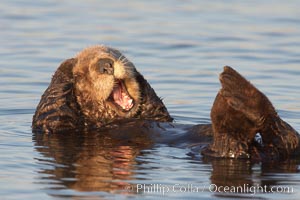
(128,187)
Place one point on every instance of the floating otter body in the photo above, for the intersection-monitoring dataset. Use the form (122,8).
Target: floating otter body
(100,86)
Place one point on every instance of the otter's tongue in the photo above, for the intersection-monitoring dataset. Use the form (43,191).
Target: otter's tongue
(121,96)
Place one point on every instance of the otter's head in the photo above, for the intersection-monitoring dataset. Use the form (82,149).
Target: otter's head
(106,77)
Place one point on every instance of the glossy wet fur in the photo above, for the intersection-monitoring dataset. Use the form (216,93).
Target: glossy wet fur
(79,99)
(239,112)
(78,95)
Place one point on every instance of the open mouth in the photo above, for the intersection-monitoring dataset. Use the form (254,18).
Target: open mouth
(121,97)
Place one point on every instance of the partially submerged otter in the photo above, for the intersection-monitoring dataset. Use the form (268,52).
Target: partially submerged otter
(101,86)
(96,88)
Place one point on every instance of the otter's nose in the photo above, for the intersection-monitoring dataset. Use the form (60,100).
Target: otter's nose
(106,66)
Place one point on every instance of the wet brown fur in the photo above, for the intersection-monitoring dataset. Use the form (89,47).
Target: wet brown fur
(78,95)
(239,112)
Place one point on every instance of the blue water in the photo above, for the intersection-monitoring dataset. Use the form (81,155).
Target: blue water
(180,47)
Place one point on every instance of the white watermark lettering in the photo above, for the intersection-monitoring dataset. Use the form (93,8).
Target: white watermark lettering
(163,189)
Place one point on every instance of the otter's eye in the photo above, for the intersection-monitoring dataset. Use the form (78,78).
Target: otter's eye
(105,66)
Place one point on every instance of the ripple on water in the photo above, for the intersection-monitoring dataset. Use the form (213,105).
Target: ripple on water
(180,49)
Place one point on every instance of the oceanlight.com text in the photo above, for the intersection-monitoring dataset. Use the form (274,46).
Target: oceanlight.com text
(212,188)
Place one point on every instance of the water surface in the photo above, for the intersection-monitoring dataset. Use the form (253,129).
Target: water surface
(180,47)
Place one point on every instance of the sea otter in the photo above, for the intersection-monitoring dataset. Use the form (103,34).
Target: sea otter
(97,87)
(100,87)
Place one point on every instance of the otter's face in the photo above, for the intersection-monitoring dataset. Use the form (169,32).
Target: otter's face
(104,75)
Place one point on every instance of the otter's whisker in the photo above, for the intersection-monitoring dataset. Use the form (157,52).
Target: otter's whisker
(124,61)
(120,58)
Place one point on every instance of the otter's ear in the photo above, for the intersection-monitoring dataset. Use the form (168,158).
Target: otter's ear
(64,72)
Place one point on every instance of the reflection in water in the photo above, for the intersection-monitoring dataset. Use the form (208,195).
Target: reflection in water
(231,172)
(105,160)
(92,161)
(180,48)
(245,177)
